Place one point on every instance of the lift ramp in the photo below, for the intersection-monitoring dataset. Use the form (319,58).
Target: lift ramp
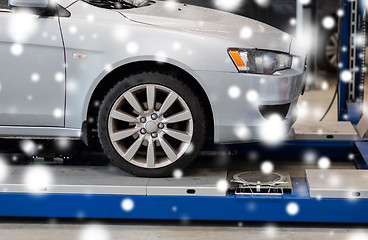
(325,131)
(89,180)
(337,183)
(102,192)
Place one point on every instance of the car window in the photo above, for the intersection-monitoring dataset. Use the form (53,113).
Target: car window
(4,4)
(119,4)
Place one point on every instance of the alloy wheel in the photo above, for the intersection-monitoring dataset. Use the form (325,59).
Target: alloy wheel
(150,126)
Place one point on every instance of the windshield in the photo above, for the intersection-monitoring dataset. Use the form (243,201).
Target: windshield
(118,4)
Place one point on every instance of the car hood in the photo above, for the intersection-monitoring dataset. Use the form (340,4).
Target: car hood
(212,23)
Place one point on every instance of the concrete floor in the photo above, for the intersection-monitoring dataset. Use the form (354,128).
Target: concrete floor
(39,229)
(312,105)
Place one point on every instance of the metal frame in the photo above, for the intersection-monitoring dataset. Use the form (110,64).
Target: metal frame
(350,97)
(230,207)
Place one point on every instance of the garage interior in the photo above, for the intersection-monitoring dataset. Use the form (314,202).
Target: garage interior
(330,133)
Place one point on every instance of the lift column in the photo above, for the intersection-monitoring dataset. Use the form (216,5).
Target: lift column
(352,60)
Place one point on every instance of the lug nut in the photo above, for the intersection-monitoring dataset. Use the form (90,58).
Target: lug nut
(154,134)
(143,119)
(160,125)
(154,116)
(143,131)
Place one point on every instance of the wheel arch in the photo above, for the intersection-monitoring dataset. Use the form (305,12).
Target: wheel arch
(117,74)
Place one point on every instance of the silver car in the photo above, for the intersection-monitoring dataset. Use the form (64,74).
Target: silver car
(149,79)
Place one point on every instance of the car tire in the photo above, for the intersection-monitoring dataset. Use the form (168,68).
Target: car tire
(151,124)
(328,53)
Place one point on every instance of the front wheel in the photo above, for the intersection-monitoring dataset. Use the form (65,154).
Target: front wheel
(150,124)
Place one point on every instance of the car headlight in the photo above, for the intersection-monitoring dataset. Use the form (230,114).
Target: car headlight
(258,61)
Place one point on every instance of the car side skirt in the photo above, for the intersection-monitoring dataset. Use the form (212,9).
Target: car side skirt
(39,132)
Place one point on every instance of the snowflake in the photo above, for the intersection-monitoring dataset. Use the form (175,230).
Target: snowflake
(63,144)
(120,34)
(22,26)
(4,169)
(324,85)
(72,86)
(132,47)
(340,12)
(59,77)
(127,204)
(16,49)
(90,17)
(73,29)
(263,3)
(234,92)
(28,146)
(292,21)
(328,22)
(252,96)
(358,236)
(222,185)
(267,167)
(176,45)
(171,5)
(273,130)
(292,209)
(37,178)
(58,113)
(94,232)
(242,132)
(324,163)
(246,32)
(310,157)
(178,174)
(35,77)
(346,76)
(161,56)
(228,5)
(305,2)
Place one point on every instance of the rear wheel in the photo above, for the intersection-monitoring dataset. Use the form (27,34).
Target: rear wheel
(328,56)
(150,124)
(331,51)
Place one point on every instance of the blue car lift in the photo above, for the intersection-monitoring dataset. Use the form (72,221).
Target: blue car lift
(98,192)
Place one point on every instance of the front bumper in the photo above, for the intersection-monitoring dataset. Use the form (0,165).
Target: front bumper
(233,109)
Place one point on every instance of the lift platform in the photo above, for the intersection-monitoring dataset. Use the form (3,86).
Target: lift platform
(105,192)
(334,195)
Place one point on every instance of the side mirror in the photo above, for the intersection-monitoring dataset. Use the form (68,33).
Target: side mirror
(38,4)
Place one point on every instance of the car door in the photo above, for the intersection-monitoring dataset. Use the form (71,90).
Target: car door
(32,71)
